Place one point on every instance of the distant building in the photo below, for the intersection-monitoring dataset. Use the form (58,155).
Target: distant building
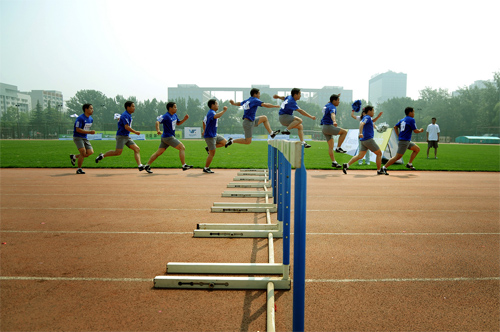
(45,96)
(480,84)
(385,86)
(317,96)
(10,96)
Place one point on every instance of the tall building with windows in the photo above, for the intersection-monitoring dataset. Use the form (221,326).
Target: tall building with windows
(385,86)
(10,96)
(45,96)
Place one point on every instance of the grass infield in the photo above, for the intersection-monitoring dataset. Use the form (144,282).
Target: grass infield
(55,154)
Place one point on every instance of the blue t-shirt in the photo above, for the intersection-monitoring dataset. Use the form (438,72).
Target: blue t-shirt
(250,107)
(406,127)
(210,124)
(367,128)
(125,119)
(169,122)
(288,106)
(327,114)
(84,123)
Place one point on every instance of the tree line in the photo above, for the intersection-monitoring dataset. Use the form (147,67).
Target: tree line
(473,111)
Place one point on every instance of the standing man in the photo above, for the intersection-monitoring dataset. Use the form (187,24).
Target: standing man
(213,140)
(169,120)
(433,137)
(331,129)
(123,136)
(286,114)
(403,129)
(80,131)
(249,120)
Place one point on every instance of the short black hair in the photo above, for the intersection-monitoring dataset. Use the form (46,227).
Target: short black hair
(254,91)
(170,104)
(211,102)
(367,108)
(295,91)
(86,106)
(334,97)
(128,103)
(408,110)
(433,119)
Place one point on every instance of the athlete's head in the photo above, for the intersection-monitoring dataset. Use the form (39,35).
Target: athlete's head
(409,110)
(212,104)
(367,109)
(433,120)
(296,93)
(129,106)
(254,92)
(86,107)
(334,97)
(171,106)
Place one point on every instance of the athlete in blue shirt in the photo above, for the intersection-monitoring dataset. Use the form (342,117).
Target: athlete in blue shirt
(331,129)
(169,121)
(80,130)
(366,135)
(286,117)
(404,129)
(213,140)
(249,120)
(123,138)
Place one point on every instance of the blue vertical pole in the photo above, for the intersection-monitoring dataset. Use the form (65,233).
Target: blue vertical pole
(281,177)
(275,175)
(299,248)
(287,188)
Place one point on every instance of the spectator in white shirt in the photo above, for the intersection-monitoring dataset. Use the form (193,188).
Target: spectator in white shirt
(433,137)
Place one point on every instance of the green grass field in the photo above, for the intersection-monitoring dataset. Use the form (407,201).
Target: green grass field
(55,154)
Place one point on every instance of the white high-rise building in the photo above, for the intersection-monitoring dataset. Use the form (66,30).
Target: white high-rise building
(385,86)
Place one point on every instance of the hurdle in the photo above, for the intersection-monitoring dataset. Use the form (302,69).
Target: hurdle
(282,156)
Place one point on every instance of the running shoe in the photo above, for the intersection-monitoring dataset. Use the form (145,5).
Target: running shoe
(72,157)
(99,158)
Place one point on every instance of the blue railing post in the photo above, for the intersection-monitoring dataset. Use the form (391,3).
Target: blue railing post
(299,248)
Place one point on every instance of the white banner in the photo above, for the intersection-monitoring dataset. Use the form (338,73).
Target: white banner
(192,132)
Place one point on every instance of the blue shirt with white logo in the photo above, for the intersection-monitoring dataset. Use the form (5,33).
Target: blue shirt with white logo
(250,107)
(288,106)
(169,122)
(84,123)
(210,124)
(367,128)
(327,114)
(125,119)
(406,127)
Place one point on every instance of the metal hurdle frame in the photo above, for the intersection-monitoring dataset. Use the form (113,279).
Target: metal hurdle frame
(282,156)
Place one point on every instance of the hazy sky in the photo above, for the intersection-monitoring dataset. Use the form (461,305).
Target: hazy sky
(140,48)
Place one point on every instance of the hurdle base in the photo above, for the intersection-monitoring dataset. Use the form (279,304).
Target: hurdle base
(250,194)
(199,282)
(248,185)
(236,233)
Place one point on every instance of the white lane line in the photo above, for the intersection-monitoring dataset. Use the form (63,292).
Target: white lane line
(207,209)
(91,208)
(325,281)
(405,233)
(95,232)
(176,233)
(78,279)
(399,280)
